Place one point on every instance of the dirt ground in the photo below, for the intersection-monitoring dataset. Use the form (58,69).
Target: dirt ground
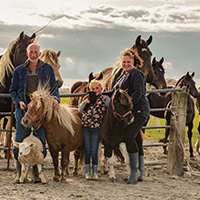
(157,183)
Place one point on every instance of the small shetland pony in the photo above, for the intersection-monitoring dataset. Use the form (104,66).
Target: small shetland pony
(117,118)
(64,132)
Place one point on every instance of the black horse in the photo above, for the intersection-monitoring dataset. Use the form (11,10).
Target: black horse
(14,56)
(163,101)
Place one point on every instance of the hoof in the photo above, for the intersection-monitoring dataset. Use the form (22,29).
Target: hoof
(56,179)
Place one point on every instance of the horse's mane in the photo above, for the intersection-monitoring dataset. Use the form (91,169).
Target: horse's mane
(123,97)
(6,63)
(48,55)
(63,114)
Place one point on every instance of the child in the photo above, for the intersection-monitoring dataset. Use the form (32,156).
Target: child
(91,121)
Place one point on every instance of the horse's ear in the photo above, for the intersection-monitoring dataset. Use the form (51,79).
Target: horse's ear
(192,74)
(33,37)
(137,41)
(149,40)
(161,60)
(100,76)
(21,35)
(154,60)
(58,53)
(187,74)
(126,90)
(91,77)
(31,96)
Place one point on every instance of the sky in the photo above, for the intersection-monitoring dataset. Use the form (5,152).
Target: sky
(91,34)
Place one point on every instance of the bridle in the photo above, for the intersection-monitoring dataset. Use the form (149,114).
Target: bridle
(36,121)
(115,113)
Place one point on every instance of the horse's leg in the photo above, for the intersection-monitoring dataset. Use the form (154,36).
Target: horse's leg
(6,125)
(41,174)
(190,127)
(65,164)
(54,155)
(111,165)
(157,123)
(167,132)
(77,155)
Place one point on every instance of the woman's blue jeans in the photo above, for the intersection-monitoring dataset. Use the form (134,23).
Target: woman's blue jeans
(91,144)
(22,132)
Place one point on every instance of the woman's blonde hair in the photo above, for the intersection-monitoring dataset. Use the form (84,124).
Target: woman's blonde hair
(94,81)
(133,54)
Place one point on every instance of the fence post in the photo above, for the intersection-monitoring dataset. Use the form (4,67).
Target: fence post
(177,133)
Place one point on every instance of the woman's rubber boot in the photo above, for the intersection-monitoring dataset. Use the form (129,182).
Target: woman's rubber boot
(87,172)
(141,167)
(18,169)
(134,164)
(95,172)
(36,178)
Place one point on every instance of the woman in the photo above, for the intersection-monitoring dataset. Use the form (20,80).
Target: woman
(133,79)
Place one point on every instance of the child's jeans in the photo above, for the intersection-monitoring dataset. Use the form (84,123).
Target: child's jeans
(91,143)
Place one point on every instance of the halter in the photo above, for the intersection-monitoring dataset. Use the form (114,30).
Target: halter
(115,113)
(36,121)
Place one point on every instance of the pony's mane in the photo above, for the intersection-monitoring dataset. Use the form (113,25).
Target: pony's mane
(49,56)
(123,97)
(63,114)
(6,63)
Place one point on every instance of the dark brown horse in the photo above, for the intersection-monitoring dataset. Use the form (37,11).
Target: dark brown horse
(117,118)
(145,53)
(142,48)
(14,56)
(197,144)
(159,81)
(163,101)
(81,87)
(64,132)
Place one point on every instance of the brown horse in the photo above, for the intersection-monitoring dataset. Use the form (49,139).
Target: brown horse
(163,101)
(145,66)
(159,81)
(81,87)
(64,132)
(52,58)
(197,144)
(14,56)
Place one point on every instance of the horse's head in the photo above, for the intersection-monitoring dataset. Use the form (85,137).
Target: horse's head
(145,53)
(188,82)
(34,113)
(52,58)
(122,107)
(159,74)
(18,51)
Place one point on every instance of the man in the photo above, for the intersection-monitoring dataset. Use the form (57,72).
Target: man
(24,82)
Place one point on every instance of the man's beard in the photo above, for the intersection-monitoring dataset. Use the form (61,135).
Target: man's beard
(33,61)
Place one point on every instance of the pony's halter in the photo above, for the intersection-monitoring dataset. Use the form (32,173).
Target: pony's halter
(115,113)
(36,121)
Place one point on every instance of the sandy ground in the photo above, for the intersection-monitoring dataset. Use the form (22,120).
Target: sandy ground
(156,185)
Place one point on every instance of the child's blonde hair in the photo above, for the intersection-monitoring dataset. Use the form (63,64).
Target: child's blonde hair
(94,81)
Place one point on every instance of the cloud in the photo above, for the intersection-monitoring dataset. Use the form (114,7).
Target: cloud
(168,17)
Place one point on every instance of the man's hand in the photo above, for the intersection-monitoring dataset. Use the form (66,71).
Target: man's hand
(22,105)
(55,104)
